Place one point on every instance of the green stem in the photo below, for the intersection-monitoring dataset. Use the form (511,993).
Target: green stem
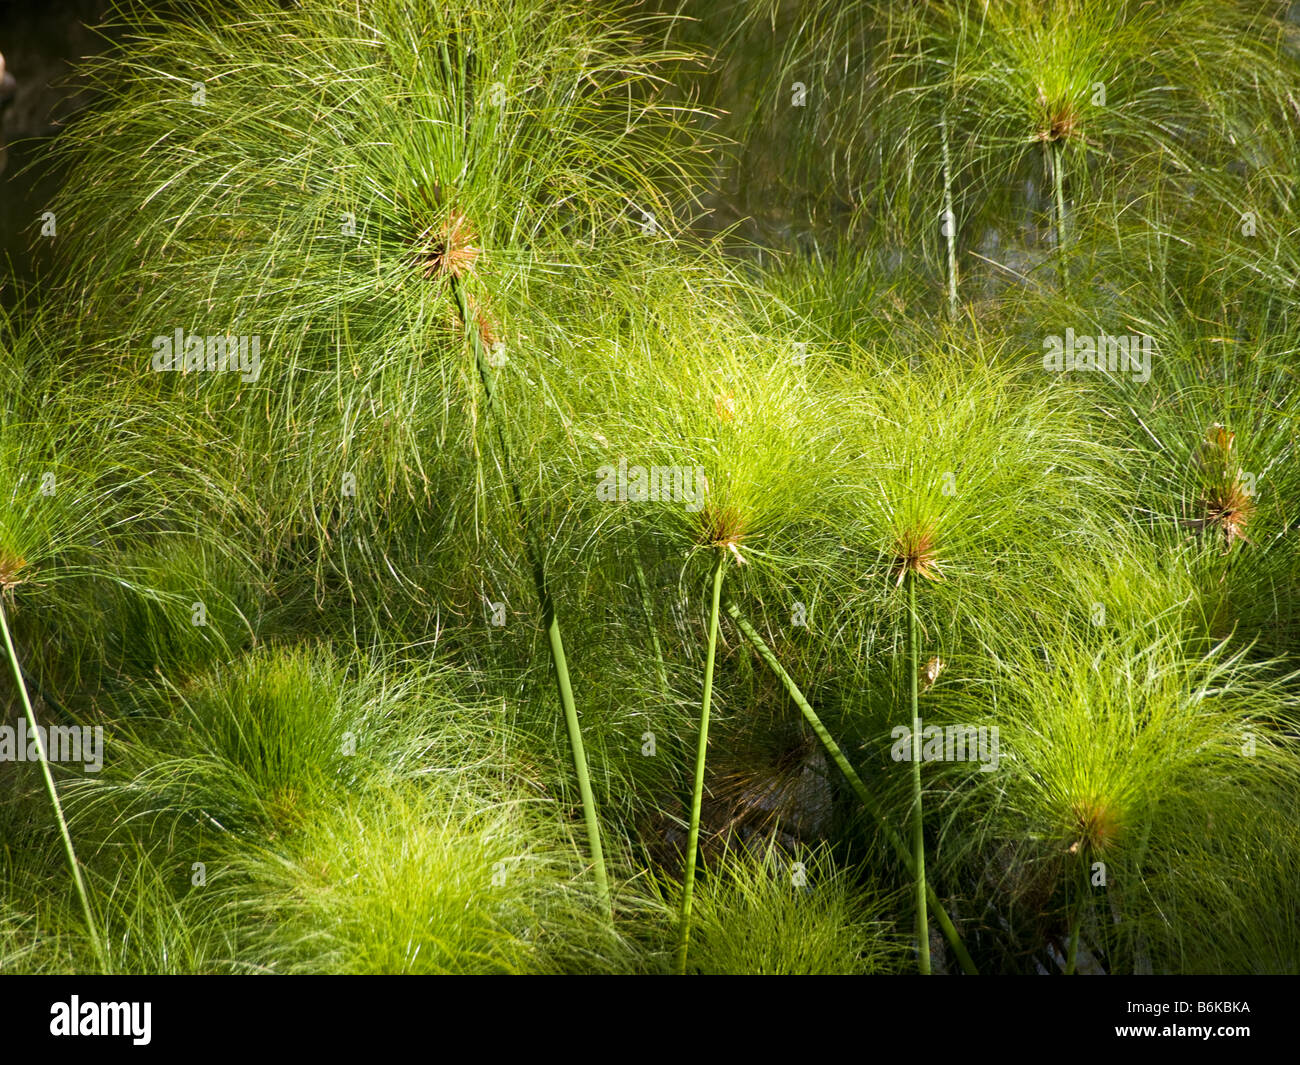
(1076,920)
(949,218)
(918,823)
(549,618)
(1058,183)
(697,793)
(855,782)
(91,929)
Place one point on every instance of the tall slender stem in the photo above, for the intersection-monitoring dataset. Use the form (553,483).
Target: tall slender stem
(1084,889)
(549,617)
(1058,184)
(92,929)
(697,793)
(855,782)
(918,821)
(949,218)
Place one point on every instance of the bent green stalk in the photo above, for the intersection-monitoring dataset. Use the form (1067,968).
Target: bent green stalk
(855,782)
(697,793)
(92,929)
(918,824)
(549,617)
